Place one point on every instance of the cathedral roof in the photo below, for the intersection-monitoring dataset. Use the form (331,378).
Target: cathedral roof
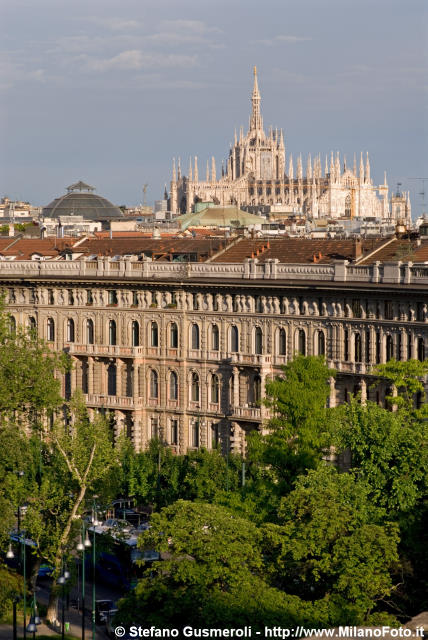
(219,217)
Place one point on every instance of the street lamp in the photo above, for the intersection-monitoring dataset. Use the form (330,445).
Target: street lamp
(84,543)
(62,580)
(95,523)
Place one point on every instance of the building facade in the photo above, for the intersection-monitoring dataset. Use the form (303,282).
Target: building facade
(258,173)
(182,351)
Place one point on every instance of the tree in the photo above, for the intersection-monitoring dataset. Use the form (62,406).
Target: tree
(333,547)
(407,379)
(28,368)
(299,428)
(211,575)
(388,450)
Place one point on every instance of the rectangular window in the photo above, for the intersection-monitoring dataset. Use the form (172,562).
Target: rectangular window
(51,298)
(356,308)
(399,346)
(70,297)
(409,346)
(174,431)
(368,336)
(89,297)
(420,312)
(388,311)
(346,346)
(134,299)
(154,427)
(377,347)
(112,296)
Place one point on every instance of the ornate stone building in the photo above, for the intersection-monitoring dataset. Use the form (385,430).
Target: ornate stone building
(183,350)
(256,173)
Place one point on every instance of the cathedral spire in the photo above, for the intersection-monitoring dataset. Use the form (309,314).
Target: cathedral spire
(367,168)
(309,167)
(174,175)
(281,140)
(196,172)
(355,164)
(361,168)
(179,169)
(213,171)
(326,166)
(256,119)
(208,172)
(190,170)
(299,167)
(291,168)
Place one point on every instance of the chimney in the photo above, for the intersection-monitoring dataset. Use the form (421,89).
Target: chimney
(358,249)
(11,229)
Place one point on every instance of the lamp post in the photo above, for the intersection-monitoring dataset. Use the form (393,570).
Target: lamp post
(84,543)
(95,523)
(62,580)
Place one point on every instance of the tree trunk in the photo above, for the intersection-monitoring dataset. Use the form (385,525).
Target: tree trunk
(51,614)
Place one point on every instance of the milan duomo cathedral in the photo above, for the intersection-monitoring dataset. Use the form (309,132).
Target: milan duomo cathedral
(255,175)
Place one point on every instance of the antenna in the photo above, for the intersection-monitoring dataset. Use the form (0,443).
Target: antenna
(144,194)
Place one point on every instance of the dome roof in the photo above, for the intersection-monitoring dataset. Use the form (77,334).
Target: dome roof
(81,201)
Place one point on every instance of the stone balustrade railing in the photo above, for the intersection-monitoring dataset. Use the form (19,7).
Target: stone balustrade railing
(250,269)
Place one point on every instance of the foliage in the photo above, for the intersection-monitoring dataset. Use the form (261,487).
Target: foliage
(157,476)
(4,229)
(299,429)
(388,451)
(27,374)
(331,546)
(212,574)
(10,587)
(406,377)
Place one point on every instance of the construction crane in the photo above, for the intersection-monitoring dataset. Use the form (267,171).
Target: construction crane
(144,194)
(423,192)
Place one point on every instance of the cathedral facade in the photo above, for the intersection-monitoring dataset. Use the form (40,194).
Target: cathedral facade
(257,173)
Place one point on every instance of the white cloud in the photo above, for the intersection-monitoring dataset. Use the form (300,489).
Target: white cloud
(135,59)
(281,38)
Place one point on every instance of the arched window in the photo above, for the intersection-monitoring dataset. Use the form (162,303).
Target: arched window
(173,336)
(346,345)
(85,369)
(111,380)
(234,339)
(321,343)
(348,206)
(257,388)
(70,330)
(32,324)
(90,331)
(195,387)
(258,341)
(112,332)
(173,386)
(301,342)
(154,384)
(357,348)
(51,330)
(135,334)
(154,335)
(215,388)
(421,349)
(195,336)
(215,338)
(389,348)
(282,343)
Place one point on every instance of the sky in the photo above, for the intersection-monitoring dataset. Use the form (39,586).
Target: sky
(109,91)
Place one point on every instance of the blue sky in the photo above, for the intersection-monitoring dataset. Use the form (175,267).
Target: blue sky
(110,91)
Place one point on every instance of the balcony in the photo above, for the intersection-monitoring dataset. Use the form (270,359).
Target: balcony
(105,350)
(249,413)
(250,359)
(109,402)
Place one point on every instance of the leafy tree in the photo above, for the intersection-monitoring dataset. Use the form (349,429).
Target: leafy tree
(159,477)
(388,451)
(299,429)
(332,547)
(29,388)
(212,574)
(407,378)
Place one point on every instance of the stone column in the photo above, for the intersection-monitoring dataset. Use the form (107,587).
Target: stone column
(363,387)
(119,375)
(90,375)
(235,373)
(332,399)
